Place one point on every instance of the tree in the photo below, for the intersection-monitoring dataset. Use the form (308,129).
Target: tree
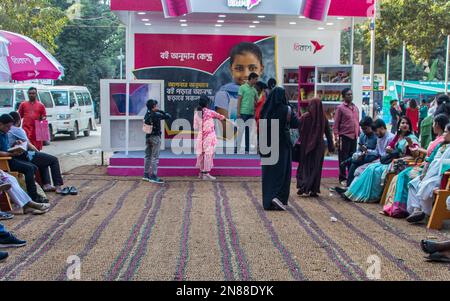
(36,19)
(398,22)
(422,24)
(90,44)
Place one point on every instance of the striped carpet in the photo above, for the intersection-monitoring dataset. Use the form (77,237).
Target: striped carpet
(125,229)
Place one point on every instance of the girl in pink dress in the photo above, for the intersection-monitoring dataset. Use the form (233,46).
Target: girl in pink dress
(206,137)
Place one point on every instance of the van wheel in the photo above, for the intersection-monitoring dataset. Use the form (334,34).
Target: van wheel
(87,132)
(74,133)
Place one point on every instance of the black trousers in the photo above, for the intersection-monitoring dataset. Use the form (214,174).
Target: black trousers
(346,150)
(28,169)
(43,161)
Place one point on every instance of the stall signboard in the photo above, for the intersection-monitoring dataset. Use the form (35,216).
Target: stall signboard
(195,65)
(313,9)
(379,82)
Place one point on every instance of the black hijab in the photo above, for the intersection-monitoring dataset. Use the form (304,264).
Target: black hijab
(277,99)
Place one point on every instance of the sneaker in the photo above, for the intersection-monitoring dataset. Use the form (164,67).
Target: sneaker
(11,241)
(279,204)
(38,206)
(5,216)
(416,217)
(343,183)
(340,190)
(156,180)
(208,177)
(3,256)
(146,179)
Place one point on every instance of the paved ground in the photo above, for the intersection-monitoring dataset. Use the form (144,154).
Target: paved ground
(125,229)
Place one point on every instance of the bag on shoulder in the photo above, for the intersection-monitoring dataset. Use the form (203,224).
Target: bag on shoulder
(148,129)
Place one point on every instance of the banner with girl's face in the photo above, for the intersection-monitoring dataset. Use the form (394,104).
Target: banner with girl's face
(192,65)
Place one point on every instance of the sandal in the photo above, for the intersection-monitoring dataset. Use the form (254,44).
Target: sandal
(64,191)
(428,246)
(73,190)
(438,257)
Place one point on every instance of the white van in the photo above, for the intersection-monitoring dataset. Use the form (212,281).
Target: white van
(11,95)
(75,110)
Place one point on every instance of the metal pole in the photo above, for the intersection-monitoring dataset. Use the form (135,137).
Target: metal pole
(121,64)
(388,67)
(447,64)
(403,71)
(372,62)
(352,42)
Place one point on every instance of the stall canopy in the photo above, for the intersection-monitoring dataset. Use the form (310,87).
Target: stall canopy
(345,8)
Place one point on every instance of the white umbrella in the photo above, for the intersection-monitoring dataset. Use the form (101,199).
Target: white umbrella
(5,73)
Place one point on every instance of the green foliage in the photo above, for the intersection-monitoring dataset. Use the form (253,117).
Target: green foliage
(422,24)
(37,19)
(89,45)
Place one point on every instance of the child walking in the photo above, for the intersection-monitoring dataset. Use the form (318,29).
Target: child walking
(153,117)
(206,137)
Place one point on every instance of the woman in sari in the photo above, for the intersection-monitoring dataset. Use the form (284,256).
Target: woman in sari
(368,187)
(420,194)
(276,178)
(313,126)
(397,196)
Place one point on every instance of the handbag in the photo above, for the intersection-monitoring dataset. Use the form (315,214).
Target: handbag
(42,130)
(148,129)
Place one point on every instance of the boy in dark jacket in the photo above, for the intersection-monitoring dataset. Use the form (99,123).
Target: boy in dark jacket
(153,141)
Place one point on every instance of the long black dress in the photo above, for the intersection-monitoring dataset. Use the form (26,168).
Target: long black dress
(276,179)
(309,171)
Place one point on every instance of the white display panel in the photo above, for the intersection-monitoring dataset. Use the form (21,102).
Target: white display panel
(123,106)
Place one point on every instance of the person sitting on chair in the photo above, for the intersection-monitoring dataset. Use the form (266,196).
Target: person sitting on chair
(39,159)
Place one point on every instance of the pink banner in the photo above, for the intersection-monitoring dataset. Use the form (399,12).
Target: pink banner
(192,51)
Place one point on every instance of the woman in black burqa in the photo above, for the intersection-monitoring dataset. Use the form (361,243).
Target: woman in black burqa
(276,178)
(313,127)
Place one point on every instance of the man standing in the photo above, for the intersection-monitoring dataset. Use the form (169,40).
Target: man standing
(31,111)
(153,117)
(247,99)
(395,116)
(346,132)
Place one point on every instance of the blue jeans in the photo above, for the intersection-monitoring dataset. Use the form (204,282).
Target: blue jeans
(3,230)
(354,166)
(245,117)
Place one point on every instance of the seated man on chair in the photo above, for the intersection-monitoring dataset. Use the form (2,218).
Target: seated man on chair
(25,168)
(41,160)
(366,152)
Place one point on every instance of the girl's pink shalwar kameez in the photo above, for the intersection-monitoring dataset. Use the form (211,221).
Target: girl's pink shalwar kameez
(206,138)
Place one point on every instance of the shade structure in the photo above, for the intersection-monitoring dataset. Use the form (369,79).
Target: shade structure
(22,58)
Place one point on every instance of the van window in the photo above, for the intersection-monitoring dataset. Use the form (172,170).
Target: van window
(46,99)
(73,101)
(20,97)
(87,99)
(6,98)
(61,98)
(80,98)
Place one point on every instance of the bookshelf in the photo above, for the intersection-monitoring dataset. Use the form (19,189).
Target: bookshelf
(290,84)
